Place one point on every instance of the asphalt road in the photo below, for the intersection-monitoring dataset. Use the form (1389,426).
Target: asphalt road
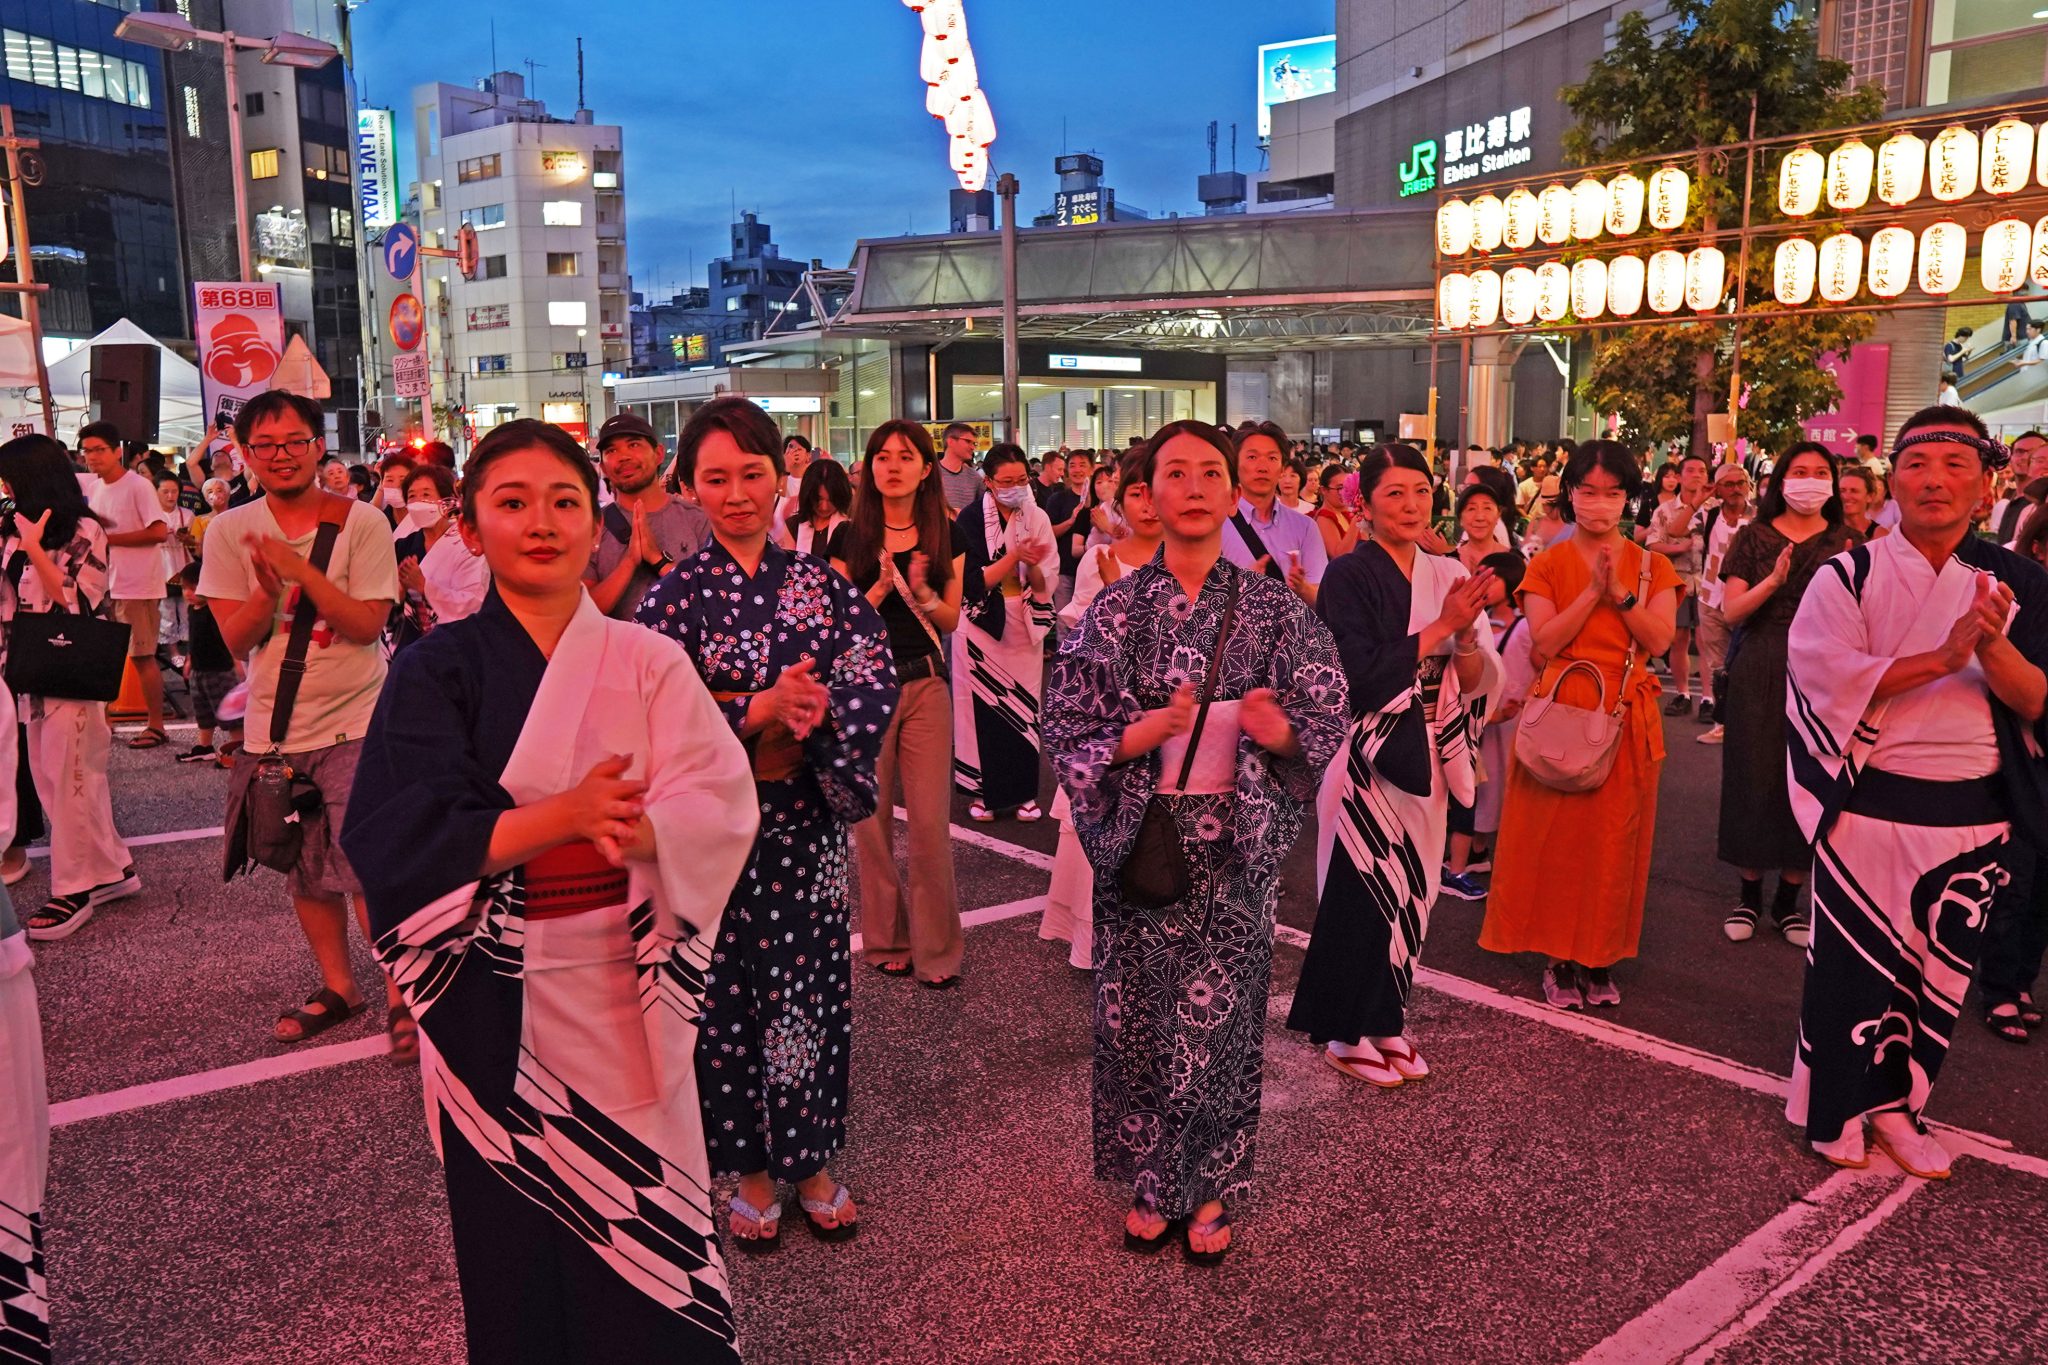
(1617,1189)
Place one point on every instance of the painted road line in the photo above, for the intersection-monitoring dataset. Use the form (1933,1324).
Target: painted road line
(1756,1273)
(1030,857)
(176,836)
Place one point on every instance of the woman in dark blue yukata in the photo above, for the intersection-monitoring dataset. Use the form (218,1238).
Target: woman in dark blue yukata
(799,663)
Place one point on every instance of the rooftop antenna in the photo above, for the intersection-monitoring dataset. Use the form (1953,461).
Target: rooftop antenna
(579,74)
(494,62)
(1233,146)
(532,87)
(1212,146)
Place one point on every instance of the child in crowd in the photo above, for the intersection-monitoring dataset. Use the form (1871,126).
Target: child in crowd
(1511,638)
(210,674)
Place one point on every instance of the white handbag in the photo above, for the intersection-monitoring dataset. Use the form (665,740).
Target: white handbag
(1572,748)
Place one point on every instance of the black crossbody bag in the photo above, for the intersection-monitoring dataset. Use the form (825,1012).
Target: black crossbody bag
(1156,875)
(67,655)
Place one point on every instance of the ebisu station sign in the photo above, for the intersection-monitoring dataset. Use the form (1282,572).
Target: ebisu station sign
(1498,143)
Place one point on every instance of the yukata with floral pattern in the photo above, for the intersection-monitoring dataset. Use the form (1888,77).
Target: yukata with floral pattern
(778,1017)
(1180,993)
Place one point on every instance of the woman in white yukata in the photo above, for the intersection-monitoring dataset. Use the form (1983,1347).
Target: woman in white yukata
(24,1113)
(549,815)
(1069,901)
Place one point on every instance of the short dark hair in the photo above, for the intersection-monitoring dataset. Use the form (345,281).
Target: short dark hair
(1481,489)
(751,429)
(2028,435)
(1130,470)
(398,459)
(1272,431)
(102,431)
(1944,415)
(1866,439)
(440,475)
(797,438)
(1003,453)
(1692,455)
(1508,567)
(1612,456)
(279,403)
(1375,466)
(1966,331)
(1206,432)
(955,429)
(509,438)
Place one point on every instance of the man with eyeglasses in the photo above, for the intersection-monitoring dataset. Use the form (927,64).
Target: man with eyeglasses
(126,503)
(256,573)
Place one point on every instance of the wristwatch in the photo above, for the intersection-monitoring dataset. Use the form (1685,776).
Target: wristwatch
(1627,603)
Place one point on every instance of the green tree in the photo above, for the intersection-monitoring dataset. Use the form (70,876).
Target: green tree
(1691,88)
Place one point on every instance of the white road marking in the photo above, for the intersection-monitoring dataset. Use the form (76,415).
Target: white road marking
(170,727)
(176,836)
(1741,1288)
(1030,857)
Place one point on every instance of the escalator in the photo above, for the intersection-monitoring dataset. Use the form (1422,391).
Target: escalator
(2002,391)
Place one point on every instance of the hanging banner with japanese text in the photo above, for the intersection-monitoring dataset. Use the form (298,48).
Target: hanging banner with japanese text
(241,339)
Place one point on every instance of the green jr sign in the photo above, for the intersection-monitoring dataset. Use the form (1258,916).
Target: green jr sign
(1418,173)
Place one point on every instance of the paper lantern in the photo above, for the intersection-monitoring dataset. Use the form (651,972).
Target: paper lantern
(1850,167)
(1518,226)
(1453,228)
(1488,222)
(1518,295)
(1589,210)
(1589,288)
(1841,267)
(1554,215)
(1800,176)
(1553,291)
(1706,277)
(2041,154)
(2040,255)
(1792,271)
(1952,164)
(1901,168)
(1942,249)
(972,119)
(973,178)
(1625,286)
(1454,300)
(1670,197)
(1485,310)
(2002,255)
(1665,278)
(1624,204)
(2007,160)
(1891,261)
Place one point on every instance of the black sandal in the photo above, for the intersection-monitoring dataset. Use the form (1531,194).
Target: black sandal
(336,1011)
(1147,1246)
(2011,1027)
(943,983)
(1208,1229)
(836,1230)
(2030,1013)
(404,1033)
(893,968)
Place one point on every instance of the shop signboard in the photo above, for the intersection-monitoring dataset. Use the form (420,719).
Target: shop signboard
(489,317)
(1079,208)
(377,168)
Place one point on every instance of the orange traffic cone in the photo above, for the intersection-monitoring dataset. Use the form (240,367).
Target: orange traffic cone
(129,705)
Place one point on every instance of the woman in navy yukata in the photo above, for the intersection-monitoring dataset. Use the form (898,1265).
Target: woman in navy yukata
(799,663)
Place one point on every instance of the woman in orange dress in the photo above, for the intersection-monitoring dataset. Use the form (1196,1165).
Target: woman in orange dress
(1571,869)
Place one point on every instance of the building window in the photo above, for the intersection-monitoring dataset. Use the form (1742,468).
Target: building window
(491,268)
(490,364)
(342,223)
(477,168)
(38,61)
(573,313)
(572,360)
(562,213)
(562,263)
(486,216)
(252,105)
(604,180)
(732,303)
(263,164)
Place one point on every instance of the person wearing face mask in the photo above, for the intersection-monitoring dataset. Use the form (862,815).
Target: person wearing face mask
(1798,528)
(451,577)
(392,473)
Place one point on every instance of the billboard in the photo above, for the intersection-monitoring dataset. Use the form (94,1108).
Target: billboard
(376,168)
(1294,70)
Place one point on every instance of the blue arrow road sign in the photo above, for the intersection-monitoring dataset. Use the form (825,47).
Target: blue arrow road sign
(401,250)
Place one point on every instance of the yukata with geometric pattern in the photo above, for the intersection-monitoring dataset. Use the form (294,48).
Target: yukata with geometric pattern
(778,1015)
(1180,992)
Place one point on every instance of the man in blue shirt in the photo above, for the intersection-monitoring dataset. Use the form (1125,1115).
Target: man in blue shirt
(1265,536)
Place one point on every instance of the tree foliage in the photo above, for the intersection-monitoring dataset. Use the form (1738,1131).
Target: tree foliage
(1689,88)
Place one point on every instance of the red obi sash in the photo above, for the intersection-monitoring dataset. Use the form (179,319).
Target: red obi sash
(571,879)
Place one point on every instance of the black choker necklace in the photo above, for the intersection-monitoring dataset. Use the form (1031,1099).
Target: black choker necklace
(911,527)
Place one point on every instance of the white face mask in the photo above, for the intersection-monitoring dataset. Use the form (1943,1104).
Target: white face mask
(391,497)
(1012,498)
(1807,496)
(424,513)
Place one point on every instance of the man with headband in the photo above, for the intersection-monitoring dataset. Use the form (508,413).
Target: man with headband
(1915,699)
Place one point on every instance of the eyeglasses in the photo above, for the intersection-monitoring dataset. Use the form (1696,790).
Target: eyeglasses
(295,445)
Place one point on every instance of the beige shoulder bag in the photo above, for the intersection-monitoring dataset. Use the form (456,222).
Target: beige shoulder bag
(1572,748)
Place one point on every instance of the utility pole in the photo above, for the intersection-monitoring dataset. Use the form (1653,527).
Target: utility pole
(1006,188)
(24,265)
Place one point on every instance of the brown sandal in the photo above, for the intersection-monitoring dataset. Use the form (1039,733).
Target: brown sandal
(150,738)
(335,1010)
(404,1034)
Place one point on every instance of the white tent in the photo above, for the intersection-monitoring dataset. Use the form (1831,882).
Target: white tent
(17,379)
(179,420)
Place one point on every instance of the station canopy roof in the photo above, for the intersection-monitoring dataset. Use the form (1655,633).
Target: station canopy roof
(1237,284)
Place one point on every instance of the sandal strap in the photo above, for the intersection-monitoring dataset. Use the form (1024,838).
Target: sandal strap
(63,908)
(758,1217)
(1212,1227)
(838,1201)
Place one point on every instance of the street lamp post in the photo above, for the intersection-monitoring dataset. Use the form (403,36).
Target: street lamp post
(175,33)
(1006,189)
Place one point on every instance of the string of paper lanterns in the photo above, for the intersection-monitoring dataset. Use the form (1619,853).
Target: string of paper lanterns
(1560,213)
(1955,164)
(2009,253)
(1587,289)
(953,93)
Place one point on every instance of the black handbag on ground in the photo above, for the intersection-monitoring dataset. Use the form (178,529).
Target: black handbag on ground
(1156,875)
(268,821)
(66,655)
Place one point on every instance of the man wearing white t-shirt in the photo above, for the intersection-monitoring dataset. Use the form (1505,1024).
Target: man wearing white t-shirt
(126,504)
(1732,512)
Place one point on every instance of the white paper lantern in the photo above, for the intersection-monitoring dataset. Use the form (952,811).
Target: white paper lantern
(1706,278)
(972,119)
(1485,310)
(1553,291)
(1841,267)
(973,178)
(1518,295)
(1952,164)
(1901,168)
(1518,227)
(1942,249)
(1589,288)
(1453,228)
(1891,261)
(1554,215)
(2007,160)
(1624,204)
(1489,220)
(1625,286)
(2041,154)
(1665,288)
(1589,210)
(1800,176)
(2039,270)
(1850,167)
(1792,271)
(1670,197)
(1454,300)
(2002,255)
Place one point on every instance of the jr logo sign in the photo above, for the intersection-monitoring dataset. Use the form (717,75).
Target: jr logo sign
(1418,173)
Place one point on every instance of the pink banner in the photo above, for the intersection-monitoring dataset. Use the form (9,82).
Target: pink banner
(1865,378)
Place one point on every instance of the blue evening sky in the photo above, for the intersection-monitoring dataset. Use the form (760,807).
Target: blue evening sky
(811,112)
